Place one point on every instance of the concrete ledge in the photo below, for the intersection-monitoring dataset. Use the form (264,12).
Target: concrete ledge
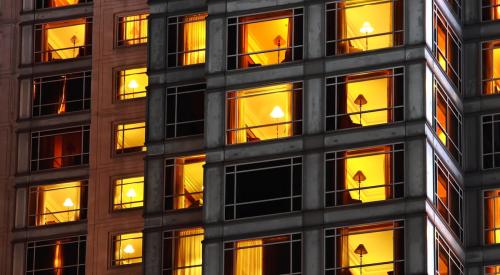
(50,231)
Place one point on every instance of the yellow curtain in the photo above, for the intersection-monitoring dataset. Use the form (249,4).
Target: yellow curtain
(136,29)
(490,221)
(249,256)
(188,258)
(496,9)
(194,39)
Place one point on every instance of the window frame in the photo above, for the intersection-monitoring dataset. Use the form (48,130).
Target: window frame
(494,119)
(80,240)
(196,88)
(394,109)
(39,30)
(116,83)
(114,181)
(487,46)
(335,42)
(174,237)
(45,7)
(452,110)
(439,18)
(82,210)
(116,125)
(332,233)
(439,242)
(120,19)
(331,156)
(293,199)
(179,19)
(482,8)
(484,198)
(86,76)
(112,246)
(172,162)
(84,131)
(297,92)
(298,14)
(451,182)
(294,237)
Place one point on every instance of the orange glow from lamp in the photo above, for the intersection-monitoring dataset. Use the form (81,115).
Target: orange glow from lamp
(277,113)
(366,29)
(361,250)
(359,177)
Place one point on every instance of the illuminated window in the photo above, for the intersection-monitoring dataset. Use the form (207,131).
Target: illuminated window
(263,188)
(132,30)
(269,255)
(365,25)
(365,175)
(128,193)
(63,40)
(131,83)
(265,39)
(492,216)
(446,262)
(264,113)
(448,198)
(127,249)
(365,99)
(59,148)
(447,122)
(187,40)
(61,94)
(491,67)
(42,4)
(492,270)
(61,256)
(184,182)
(130,137)
(185,108)
(182,252)
(447,48)
(491,10)
(491,141)
(367,249)
(57,203)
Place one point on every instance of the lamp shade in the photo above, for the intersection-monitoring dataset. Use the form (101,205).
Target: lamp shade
(359,176)
(366,28)
(361,250)
(277,112)
(360,100)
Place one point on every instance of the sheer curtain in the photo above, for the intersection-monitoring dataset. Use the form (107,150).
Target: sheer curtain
(194,39)
(249,257)
(188,258)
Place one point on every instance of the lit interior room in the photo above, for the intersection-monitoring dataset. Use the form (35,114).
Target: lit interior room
(63,40)
(189,182)
(266,39)
(130,137)
(491,68)
(127,249)
(442,119)
(492,216)
(60,3)
(367,175)
(128,193)
(192,33)
(133,30)
(261,113)
(188,251)
(132,83)
(56,203)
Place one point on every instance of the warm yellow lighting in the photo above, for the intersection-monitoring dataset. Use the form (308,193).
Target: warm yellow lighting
(131,193)
(63,40)
(370,96)
(366,28)
(194,39)
(135,29)
(191,182)
(249,257)
(130,137)
(188,258)
(277,112)
(133,84)
(129,249)
(68,203)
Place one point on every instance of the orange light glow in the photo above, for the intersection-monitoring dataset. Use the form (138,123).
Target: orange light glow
(51,206)
(189,182)
(62,40)
(188,258)
(128,249)
(62,3)
(249,256)
(132,83)
(261,113)
(58,259)
(128,193)
(131,137)
(135,30)
(194,39)
(492,217)
(442,46)
(442,120)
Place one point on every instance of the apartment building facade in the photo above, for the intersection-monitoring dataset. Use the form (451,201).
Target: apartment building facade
(250,137)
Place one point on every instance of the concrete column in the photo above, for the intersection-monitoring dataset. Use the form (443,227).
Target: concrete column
(313,106)
(23,155)
(213,258)
(157,42)
(153,242)
(314,32)
(415,22)
(415,245)
(21,205)
(471,79)
(27,35)
(213,192)
(215,119)
(154,182)
(216,44)
(156,116)
(415,91)
(19,258)
(312,253)
(415,167)
(473,217)
(313,181)
(471,12)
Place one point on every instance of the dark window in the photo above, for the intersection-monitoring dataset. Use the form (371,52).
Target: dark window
(364,175)
(491,67)
(446,262)
(447,122)
(182,251)
(185,110)
(269,255)
(490,10)
(491,141)
(265,39)
(132,30)
(264,113)
(61,94)
(60,148)
(63,40)
(263,188)
(448,198)
(357,26)
(42,4)
(62,256)
(57,203)
(186,40)
(447,48)
(366,99)
(184,182)
(382,242)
